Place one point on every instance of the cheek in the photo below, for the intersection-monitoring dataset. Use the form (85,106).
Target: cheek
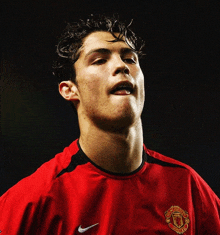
(140,79)
(141,86)
(94,81)
(90,90)
(92,86)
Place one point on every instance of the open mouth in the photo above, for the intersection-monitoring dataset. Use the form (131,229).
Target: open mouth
(123,88)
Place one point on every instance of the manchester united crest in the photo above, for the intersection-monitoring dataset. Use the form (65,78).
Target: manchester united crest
(177,219)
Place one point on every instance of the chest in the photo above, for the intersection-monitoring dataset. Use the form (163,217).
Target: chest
(109,206)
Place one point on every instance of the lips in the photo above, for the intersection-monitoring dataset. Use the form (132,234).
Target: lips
(123,88)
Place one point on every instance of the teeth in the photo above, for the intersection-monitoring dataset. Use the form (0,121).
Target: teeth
(122,92)
(123,88)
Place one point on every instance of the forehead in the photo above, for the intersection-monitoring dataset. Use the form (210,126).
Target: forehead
(101,39)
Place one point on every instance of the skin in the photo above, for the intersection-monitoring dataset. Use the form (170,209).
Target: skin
(110,123)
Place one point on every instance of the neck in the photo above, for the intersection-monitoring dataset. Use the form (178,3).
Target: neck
(117,152)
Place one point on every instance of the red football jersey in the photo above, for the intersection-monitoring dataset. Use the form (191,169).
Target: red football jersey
(71,195)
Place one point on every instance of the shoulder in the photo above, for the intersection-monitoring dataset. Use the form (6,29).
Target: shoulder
(200,192)
(197,183)
(160,159)
(24,201)
(41,180)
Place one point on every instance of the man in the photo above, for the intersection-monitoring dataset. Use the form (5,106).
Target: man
(107,181)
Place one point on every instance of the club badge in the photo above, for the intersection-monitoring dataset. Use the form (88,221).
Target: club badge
(177,219)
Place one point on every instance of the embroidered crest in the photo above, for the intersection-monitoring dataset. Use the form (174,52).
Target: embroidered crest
(177,219)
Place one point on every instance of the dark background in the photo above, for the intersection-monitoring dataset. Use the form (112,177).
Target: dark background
(181,66)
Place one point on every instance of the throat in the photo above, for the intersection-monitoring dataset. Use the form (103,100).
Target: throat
(113,152)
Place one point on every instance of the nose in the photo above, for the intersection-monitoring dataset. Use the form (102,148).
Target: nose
(120,67)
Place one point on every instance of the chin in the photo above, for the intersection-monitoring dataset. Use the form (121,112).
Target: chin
(117,123)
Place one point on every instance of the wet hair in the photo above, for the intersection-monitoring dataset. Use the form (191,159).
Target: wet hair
(70,42)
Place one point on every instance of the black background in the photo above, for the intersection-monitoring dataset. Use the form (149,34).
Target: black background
(181,67)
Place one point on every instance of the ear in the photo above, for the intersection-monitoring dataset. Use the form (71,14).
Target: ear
(69,91)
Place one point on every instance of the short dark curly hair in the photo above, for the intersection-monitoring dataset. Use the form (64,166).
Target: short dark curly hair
(72,39)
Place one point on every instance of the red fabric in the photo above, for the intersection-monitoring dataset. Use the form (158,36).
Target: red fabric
(157,199)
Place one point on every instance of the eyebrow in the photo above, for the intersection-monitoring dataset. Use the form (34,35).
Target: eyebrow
(123,51)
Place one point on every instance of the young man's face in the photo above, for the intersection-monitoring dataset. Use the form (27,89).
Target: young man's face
(110,82)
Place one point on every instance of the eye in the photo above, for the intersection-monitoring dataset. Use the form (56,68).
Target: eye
(129,60)
(99,61)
